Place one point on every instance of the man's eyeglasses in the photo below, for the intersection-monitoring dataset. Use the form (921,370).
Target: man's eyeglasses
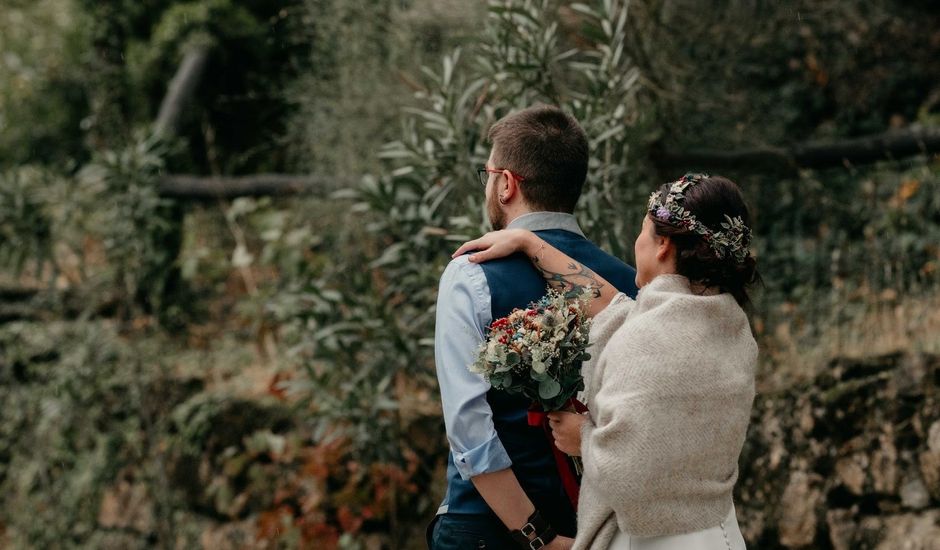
(485,172)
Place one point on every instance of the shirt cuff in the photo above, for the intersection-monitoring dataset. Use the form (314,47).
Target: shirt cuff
(488,457)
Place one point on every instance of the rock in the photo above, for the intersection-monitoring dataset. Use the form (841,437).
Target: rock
(806,422)
(909,531)
(884,463)
(930,470)
(752,523)
(110,540)
(126,506)
(909,378)
(914,494)
(933,437)
(240,535)
(798,521)
(841,528)
(930,461)
(919,531)
(851,472)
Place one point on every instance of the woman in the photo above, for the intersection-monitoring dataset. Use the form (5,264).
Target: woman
(670,389)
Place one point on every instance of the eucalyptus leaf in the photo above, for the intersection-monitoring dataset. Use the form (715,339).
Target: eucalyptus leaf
(549,388)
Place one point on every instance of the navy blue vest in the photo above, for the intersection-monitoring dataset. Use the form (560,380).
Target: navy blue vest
(515,283)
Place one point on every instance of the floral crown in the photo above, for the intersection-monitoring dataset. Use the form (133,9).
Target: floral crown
(732,240)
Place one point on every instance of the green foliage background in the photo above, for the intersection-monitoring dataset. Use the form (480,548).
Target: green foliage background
(259,372)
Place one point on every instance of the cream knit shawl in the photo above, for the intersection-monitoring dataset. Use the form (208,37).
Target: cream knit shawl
(669,391)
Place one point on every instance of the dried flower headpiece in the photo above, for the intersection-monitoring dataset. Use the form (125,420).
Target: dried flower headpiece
(732,240)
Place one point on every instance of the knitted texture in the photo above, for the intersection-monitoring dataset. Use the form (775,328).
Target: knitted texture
(670,395)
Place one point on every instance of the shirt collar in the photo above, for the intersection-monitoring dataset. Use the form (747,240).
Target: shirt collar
(539,221)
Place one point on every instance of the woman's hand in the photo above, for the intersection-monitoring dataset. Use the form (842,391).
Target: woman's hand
(566,429)
(498,244)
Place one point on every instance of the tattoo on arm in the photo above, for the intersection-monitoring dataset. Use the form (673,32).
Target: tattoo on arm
(576,281)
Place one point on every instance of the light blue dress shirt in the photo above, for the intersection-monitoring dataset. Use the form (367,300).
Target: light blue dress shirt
(463,313)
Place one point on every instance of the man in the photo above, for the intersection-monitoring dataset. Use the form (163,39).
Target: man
(503,487)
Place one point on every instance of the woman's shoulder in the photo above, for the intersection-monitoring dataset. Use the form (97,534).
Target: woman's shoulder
(612,317)
(667,312)
(672,297)
(620,305)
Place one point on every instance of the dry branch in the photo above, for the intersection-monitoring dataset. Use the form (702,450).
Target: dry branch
(181,89)
(863,150)
(16,293)
(258,185)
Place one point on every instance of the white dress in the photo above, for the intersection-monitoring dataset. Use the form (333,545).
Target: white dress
(724,536)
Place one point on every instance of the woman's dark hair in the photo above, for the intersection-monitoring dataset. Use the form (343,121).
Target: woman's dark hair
(710,200)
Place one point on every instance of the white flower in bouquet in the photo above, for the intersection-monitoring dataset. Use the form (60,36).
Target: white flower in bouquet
(537,351)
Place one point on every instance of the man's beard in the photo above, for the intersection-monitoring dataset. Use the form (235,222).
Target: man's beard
(496,215)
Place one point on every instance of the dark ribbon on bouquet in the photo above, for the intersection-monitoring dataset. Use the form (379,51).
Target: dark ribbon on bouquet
(569,480)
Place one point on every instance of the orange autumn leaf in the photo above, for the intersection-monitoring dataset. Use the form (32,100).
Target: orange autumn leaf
(319,535)
(908,189)
(272,523)
(348,521)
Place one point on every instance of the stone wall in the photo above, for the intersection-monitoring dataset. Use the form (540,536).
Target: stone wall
(851,460)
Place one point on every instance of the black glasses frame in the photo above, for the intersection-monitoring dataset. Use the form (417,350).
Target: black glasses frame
(484,174)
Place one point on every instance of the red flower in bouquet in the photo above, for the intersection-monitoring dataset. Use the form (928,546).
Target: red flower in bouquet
(537,352)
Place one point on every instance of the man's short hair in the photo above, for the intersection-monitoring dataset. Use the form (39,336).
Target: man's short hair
(548,149)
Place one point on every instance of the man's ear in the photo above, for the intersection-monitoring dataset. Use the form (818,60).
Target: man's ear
(510,187)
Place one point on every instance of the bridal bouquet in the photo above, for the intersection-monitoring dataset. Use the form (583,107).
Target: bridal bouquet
(537,352)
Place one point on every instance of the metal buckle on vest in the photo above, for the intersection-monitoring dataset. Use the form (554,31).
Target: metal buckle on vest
(536,540)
